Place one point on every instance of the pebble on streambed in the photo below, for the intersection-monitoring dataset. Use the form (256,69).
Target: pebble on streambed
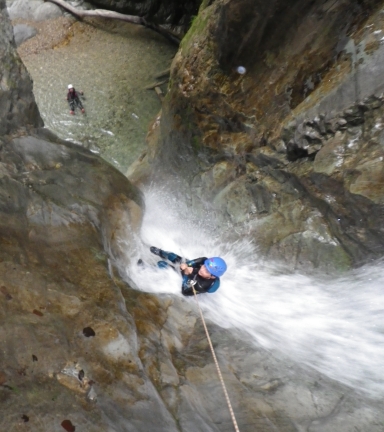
(50,34)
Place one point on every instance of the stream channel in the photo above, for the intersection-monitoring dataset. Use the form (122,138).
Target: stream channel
(111,62)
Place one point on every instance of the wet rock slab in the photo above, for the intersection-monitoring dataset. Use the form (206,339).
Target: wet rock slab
(60,206)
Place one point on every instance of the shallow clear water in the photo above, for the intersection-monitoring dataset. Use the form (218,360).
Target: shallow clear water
(334,325)
(112,68)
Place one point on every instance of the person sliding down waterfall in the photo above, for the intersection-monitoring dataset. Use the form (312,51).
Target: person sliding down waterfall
(203,274)
(74,99)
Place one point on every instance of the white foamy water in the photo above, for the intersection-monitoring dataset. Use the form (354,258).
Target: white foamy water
(334,325)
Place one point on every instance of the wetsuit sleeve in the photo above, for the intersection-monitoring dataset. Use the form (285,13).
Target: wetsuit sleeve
(197,262)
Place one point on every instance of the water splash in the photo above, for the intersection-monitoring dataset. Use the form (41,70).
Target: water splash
(334,325)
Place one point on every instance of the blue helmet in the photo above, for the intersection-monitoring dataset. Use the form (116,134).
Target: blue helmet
(216,266)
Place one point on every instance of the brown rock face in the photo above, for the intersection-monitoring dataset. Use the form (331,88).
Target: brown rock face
(61,207)
(50,189)
(270,119)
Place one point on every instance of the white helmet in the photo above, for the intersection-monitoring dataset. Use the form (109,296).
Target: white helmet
(70,86)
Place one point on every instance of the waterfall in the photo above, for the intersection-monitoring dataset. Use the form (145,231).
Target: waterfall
(332,324)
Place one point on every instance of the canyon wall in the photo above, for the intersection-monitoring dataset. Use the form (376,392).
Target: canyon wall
(273,120)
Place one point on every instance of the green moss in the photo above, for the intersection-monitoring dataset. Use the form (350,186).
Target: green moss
(170,84)
(99,254)
(196,144)
(269,58)
(193,19)
(15,389)
(204,5)
(12,84)
(339,260)
(198,26)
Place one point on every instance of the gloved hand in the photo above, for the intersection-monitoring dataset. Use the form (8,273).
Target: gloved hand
(191,283)
(185,269)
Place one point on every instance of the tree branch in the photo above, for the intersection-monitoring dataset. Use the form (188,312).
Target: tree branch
(116,15)
(97,13)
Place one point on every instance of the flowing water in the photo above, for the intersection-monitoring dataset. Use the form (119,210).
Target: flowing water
(334,325)
(112,65)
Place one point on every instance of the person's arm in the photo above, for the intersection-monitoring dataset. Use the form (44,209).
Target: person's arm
(197,262)
(189,265)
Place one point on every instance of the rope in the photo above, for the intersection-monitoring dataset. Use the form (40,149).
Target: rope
(217,366)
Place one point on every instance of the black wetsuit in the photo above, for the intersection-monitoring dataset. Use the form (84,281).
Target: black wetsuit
(202,285)
(74,99)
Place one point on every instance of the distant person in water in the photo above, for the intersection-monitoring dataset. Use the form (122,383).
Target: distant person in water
(74,99)
(203,274)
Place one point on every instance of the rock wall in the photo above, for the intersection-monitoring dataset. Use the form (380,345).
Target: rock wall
(81,350)
(281,147)
(17,105)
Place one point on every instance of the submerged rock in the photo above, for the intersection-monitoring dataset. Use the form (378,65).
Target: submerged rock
(35,10)
(47,11)
(23,32)
(23,9)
